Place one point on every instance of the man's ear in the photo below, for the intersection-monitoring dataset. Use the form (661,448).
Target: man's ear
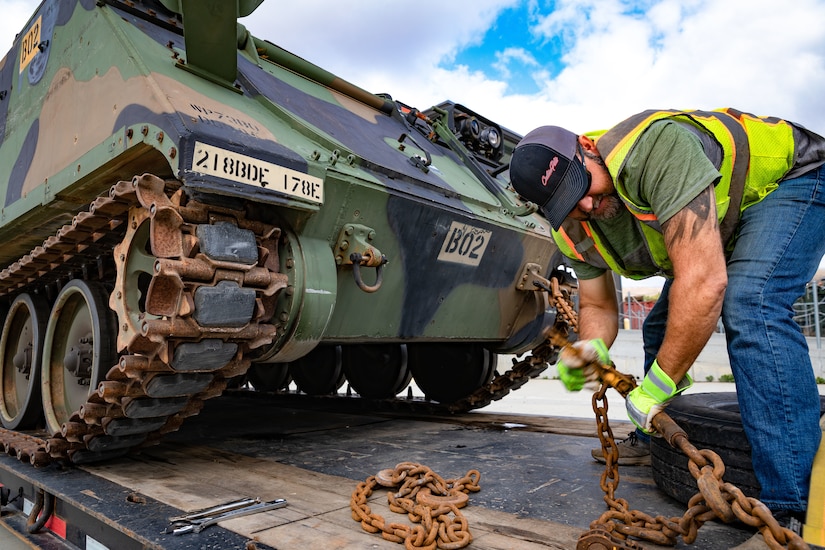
(588,144)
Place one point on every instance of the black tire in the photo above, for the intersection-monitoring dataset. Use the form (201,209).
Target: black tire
(449,372)
(270,377)
(711,421)
(319,372)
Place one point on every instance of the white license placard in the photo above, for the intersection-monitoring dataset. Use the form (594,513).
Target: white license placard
(464,244)
(215,161)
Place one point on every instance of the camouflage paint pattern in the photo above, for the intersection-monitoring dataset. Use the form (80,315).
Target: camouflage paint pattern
(96,93)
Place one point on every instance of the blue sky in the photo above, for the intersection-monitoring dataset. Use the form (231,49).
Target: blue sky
(511,52)
(583,64)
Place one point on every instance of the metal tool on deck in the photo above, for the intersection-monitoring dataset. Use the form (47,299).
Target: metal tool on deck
(198,521)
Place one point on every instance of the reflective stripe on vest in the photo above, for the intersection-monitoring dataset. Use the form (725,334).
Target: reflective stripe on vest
(575,240)
(756,151)
(728,134)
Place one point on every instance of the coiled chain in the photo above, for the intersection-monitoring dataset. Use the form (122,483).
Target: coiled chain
(430,501)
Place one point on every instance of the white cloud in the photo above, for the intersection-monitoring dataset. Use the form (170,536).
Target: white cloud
(15,15)
(381,46)
(760,56)
(509,56)
(754,55)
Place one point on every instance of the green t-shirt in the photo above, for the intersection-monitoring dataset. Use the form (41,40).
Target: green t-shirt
(665,171)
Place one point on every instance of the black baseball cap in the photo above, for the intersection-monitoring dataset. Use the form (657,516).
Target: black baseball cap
(545,171)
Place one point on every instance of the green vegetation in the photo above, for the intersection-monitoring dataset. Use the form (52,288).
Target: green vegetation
(726,378)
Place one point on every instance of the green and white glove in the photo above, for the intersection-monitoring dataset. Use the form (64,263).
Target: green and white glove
(574,360)
(652,395)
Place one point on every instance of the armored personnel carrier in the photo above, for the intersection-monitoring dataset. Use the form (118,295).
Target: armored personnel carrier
(187,205)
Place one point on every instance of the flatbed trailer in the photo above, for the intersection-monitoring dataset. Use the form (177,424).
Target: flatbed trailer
(92,513)
(539,485)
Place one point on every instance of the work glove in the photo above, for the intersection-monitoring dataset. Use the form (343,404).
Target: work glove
(654,393)
(574,362)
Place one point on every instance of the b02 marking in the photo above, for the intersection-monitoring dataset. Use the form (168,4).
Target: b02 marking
(464,244)
(30,43)
(239,168)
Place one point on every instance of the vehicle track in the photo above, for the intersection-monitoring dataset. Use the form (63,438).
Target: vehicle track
(172,360)
(175,261)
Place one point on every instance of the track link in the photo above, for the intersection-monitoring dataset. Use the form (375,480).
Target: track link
(175,354)
(182,336)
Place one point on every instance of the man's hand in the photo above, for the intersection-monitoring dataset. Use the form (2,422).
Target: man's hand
(574,367)
(652,395)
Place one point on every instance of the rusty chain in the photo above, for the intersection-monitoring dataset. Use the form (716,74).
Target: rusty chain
(555,338)
(426,498)
(715,499)
(423,495)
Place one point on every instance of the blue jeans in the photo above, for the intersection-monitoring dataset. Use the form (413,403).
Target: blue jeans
(778,248)
(780,243)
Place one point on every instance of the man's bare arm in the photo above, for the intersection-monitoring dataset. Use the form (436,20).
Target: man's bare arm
(598,310)
(700,277)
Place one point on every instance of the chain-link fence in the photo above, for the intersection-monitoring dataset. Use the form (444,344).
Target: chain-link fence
(808,310)
(809,313)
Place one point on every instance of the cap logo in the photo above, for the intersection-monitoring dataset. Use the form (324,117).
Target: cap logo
(550,169)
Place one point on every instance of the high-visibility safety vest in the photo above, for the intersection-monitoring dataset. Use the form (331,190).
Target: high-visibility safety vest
(756,153)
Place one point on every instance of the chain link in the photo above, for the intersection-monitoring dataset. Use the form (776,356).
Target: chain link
(555,338)
(423,495)
(428,500)
(715,499)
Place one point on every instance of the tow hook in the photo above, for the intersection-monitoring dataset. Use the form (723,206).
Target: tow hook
(354,247)
(370,261)
(41,512)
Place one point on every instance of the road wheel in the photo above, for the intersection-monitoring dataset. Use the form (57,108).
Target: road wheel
(271,377)
(449,372)
(78,350)
(21,348)
(376,371)
(319,372)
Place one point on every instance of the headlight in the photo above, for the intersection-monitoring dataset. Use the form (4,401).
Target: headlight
(491,136)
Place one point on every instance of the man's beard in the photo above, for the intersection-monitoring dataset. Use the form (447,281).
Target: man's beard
(609,207)
(612,203)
